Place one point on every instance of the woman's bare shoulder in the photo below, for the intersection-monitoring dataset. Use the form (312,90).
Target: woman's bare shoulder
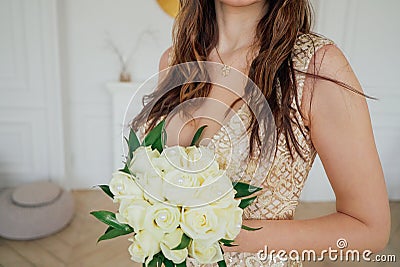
(328,61)
(165,59)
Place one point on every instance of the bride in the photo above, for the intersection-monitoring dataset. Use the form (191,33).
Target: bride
(318,107)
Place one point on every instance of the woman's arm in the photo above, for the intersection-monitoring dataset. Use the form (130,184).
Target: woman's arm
(341,132)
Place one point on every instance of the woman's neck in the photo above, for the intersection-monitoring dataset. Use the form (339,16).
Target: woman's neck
(237,25)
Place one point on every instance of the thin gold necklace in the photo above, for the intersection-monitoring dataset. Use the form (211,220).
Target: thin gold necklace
(225,69)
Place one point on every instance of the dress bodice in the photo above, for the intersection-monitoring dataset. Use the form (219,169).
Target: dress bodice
(284,177)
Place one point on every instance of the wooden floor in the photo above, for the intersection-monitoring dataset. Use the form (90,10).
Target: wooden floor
(76,244)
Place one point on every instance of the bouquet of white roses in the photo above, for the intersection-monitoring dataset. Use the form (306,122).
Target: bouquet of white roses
(175,202)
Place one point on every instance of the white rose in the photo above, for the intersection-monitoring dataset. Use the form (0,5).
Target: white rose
(142,162)
(216,189)
(133,213)
(205,253)
(180,188)
(171,241)
(180,196)
(122,185)
(234,223)
(136,251)
(176,256)
(163,164)
(144,245)
(201,159)
(229,213)
(193,159)
(227,201)
(202,223)
(162,218)
(172,158)
(231,218)
(183,178)
(152,187)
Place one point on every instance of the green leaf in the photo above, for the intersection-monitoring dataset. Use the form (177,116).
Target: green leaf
(250,228)
(185,241)
(109,229)
(168,263)
(153,138)
(125,169)
(183,264)
(230,245)
(197,135)
(245,202)
(244,190)
(108,218)
(158,145)
(112,234)
(227,243)
(221,263)
(133,142)
(106,189)
(157,260)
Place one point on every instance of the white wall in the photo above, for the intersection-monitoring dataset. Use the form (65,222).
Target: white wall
(88,64)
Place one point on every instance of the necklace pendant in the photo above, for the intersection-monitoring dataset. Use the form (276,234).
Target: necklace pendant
(225,70)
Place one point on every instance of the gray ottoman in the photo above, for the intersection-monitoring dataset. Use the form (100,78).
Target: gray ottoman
(34,210)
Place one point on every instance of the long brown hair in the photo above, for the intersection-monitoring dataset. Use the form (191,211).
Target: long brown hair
(195,35)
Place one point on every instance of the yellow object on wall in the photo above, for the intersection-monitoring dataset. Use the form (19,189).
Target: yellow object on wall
(171,7)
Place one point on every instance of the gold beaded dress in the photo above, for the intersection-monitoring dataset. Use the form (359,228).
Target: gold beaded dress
(282,180)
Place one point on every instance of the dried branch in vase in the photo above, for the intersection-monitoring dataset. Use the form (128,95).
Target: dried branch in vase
(125,61)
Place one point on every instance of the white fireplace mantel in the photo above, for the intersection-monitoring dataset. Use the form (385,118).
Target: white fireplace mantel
(121,95)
